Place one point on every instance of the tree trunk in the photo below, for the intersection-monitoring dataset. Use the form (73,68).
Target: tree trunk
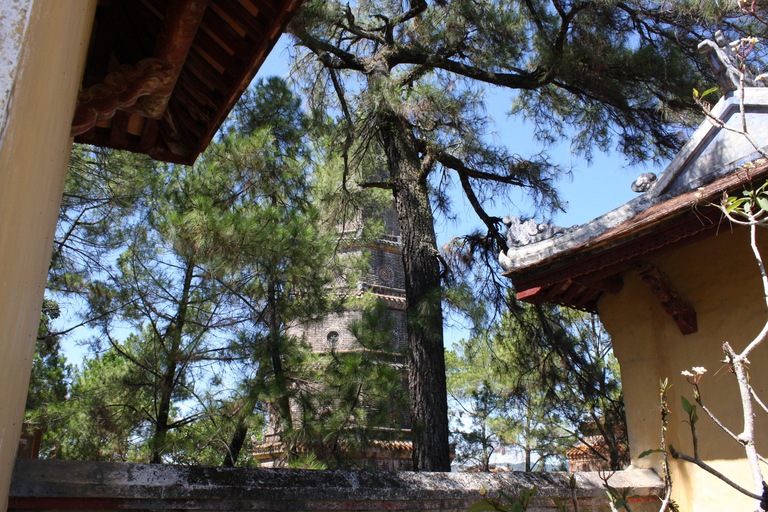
(427,383)
(174,331)
(276,356)
(236,444)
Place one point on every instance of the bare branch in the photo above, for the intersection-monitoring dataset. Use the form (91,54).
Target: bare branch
(709,469)
(386,185)
(490,222)
(460,167)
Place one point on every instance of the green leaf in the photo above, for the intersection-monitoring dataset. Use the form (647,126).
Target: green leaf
(620,503)
(695,93)
(649,452)
(708,91)
(482,506)
(732,203)
(559,504)
(687,407)
(762,202)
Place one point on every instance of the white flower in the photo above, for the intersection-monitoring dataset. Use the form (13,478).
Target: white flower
(686,373)
(699,370)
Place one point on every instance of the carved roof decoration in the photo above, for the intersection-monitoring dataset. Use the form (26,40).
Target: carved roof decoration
(577,267)
(162,75)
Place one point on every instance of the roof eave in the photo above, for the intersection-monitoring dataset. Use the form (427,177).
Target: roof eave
(578,275)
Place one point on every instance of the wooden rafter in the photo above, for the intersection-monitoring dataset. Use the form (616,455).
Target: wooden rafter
(172,70)
(121,89)
(182,19)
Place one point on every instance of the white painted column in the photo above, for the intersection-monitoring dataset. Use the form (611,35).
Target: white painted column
(43,46)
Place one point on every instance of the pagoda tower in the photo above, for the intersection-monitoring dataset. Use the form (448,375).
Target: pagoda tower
(385,280)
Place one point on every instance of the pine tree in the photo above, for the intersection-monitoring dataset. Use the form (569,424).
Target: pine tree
(407,79)
(539,380)
(566,356)
(49,381)
(499,408)
(276,250)
(196,269)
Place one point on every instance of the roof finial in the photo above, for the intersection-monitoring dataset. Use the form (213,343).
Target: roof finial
(643,182)
(722,60)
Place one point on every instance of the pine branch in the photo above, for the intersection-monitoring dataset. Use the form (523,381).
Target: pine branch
(331,56)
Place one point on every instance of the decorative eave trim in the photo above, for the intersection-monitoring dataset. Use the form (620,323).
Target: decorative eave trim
(121,89)
(145,87)
(597,271)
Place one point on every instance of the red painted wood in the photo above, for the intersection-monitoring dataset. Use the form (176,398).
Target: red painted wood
(27,503)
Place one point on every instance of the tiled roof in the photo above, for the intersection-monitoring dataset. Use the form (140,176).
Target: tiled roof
(396,449)
(576,268)
(586,450)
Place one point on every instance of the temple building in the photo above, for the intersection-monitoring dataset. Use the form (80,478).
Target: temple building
(672,281)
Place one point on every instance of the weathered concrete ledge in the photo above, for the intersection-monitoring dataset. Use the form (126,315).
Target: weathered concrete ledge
(69,485)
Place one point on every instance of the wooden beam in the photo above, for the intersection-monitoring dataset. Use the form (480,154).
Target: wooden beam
(557,290)
(119,128)
(228,35)
(237,11)
(588,301)
(199,112)
(674,305)
(199,89)
(182,19)
(286,10)
(573,291)
(148,135)
(611,284)
(529,294)
(209,45)
(209,74)
(266,7)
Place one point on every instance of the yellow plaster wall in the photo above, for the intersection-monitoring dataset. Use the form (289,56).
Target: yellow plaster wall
(33,160)
(720,278)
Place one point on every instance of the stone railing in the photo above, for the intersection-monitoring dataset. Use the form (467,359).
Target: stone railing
(69,485)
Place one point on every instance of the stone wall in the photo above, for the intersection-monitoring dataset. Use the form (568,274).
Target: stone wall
(62,485)
(332,332)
